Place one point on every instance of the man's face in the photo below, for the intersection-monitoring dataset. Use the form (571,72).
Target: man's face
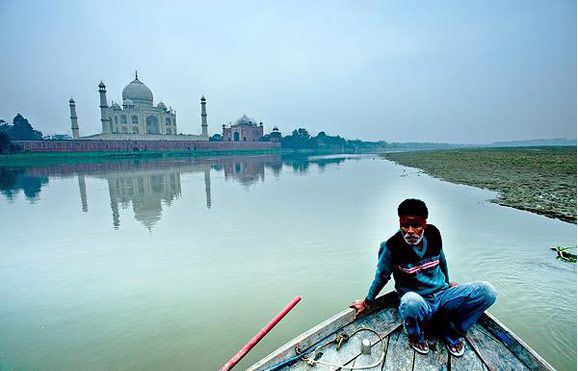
(412,228)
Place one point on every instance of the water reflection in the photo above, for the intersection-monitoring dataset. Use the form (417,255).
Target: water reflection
(146,191)
(14,180)
(149,185)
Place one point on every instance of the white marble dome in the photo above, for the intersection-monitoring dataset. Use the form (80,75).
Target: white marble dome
(128,103)
(138,93)
(162,106)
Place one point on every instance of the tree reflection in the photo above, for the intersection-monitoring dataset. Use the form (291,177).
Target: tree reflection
(148,185)
(14,180)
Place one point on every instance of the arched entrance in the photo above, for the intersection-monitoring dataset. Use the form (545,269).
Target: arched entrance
(236,136)
(152,125)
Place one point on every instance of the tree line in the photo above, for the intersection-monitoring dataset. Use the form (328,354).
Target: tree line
(300,139)
(20,129)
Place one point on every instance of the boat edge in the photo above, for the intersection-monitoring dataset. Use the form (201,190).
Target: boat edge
(488,317)
(343,318)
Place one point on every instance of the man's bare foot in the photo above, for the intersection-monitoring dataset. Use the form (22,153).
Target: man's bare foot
(457,350)
(420,347)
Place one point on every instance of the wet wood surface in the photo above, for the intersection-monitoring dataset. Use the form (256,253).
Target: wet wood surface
(399,354)
(526,354)
(493,351)
(488,343)
(436,359)
(469,361)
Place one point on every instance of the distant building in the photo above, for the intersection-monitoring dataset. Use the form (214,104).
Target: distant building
(138,118)
(243,130)
(275,134)
(58,137)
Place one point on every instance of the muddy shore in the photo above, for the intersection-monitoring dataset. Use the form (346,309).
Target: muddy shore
(541,180)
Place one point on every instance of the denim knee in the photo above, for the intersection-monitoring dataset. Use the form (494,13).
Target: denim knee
(488,292)
(412,305)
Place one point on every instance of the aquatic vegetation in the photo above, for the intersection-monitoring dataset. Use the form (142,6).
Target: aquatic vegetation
(563,254)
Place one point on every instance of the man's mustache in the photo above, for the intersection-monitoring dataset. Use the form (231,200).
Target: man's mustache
(408,235)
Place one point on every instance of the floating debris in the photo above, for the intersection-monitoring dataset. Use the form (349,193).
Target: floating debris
(563,254)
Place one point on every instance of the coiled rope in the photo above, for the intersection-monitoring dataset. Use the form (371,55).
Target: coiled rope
(339,340)
(343,337)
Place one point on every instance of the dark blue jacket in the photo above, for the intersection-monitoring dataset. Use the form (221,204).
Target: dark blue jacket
(422,270)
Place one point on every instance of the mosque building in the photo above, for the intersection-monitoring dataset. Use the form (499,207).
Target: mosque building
(138,118)
(244,129)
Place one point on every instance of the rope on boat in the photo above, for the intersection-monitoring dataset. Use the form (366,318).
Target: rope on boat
(343,337)
(340,339)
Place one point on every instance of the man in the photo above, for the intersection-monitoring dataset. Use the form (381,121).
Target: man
(415,257)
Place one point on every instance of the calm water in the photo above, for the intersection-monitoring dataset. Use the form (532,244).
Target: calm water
(174,264)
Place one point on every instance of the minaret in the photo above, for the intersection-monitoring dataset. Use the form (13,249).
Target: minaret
(82,188)
(204,117)
(113,192)
(73,119)
(103,109)
(207,171)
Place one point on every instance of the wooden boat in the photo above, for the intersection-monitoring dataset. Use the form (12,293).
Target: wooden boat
(338,342)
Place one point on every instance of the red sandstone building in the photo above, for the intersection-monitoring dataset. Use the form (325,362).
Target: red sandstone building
(243,130)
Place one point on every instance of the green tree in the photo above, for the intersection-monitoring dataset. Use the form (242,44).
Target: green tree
(22,130)
(4,127)
(4,143)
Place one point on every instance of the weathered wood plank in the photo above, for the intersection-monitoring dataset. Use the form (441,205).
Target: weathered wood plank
(469,361)
(322,331)
(493,351)
(400,355)
(308,338)
(378,351)
(382,322)
(435,360)
(532,359)
(350,353)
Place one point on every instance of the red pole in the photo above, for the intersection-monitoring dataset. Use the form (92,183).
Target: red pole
(260,335)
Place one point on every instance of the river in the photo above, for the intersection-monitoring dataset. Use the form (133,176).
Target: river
(176,263)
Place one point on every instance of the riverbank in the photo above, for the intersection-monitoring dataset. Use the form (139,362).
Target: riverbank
(541,180)
(47,158)
(25,158)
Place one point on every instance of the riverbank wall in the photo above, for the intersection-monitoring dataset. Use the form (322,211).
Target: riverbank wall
(140,145)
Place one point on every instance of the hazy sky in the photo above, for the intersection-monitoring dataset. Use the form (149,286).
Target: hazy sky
(451,71)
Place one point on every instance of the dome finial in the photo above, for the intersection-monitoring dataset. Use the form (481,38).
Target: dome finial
(135,74)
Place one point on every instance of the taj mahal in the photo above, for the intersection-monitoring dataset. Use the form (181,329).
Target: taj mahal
(140,125)
(138,118)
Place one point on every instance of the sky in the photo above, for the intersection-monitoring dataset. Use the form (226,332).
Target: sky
(399,71)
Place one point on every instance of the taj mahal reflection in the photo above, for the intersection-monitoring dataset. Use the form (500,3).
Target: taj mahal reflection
(146,192)
(149,186)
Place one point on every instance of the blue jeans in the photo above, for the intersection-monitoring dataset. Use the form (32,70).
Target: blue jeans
(456,309)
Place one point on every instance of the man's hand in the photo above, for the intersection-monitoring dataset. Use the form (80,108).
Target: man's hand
(453,284)
(360,307)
